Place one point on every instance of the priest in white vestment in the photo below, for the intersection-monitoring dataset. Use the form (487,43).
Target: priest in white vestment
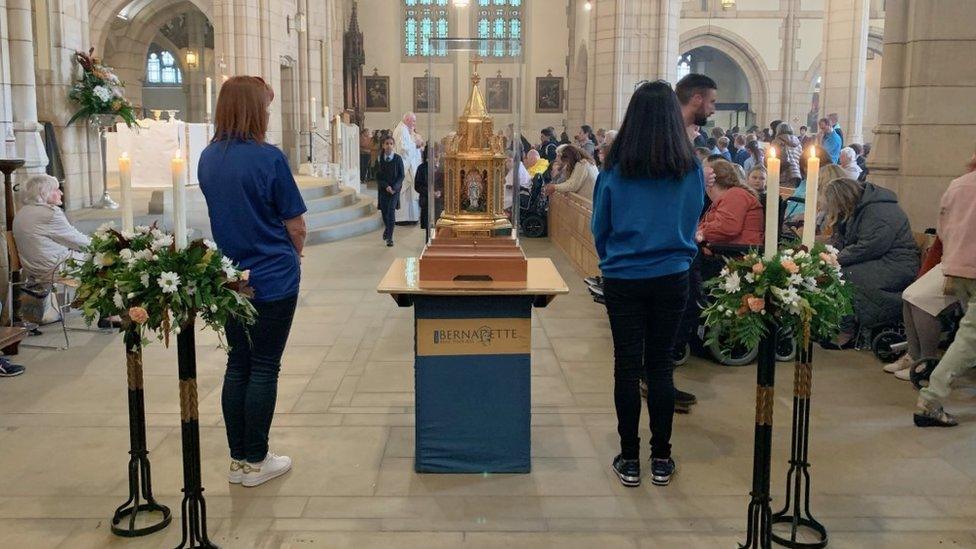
(407,144)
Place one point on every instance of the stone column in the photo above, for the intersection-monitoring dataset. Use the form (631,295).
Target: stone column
(6,107)
(20,43)
(788,60)
(927,107)
(845,53)
(633,40)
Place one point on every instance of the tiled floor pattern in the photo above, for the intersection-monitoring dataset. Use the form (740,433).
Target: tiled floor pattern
(345,416)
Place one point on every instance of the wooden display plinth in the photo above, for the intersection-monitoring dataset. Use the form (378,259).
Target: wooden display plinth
(448,259)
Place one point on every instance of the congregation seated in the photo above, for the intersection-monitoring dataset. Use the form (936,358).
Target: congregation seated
(44,236)
(795,208)
(848,161)
(878,253)
(756,179)
(790,152)
(535,164)
(736,215)
(577,172)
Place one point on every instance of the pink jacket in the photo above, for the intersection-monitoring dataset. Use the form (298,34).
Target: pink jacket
(957,227)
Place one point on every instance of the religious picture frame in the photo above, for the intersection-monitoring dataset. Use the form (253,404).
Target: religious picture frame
(499,95)
(427,94)
(549,94)
(377,93)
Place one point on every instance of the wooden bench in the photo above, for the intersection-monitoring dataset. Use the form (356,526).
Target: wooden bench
(10,339)
(569,230)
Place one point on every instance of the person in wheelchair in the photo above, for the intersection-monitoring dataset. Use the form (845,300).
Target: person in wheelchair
(735,217)
(878,253)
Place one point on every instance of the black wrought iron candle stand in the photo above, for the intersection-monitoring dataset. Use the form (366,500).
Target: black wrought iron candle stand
(759,525)
(140,480)
(194,507)
(797,513)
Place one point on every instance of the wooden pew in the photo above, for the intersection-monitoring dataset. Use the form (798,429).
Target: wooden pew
(569,230)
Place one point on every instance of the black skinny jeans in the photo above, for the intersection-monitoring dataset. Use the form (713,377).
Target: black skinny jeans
(644,317)
(251,381)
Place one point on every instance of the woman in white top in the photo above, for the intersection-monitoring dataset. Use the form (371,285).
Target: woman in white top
(579,169)
(44,236)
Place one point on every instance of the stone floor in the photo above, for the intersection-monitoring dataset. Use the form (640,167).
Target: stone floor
(345,416)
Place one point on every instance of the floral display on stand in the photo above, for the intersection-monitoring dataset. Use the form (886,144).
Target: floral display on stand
(99,91)
(145,278)
(800,289)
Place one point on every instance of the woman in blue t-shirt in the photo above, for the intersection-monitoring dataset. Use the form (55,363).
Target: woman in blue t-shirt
(645,213)
(256,216)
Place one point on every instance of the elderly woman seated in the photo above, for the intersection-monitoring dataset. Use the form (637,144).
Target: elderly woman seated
(577,172)
(45,239)
(736,215)
(877,252)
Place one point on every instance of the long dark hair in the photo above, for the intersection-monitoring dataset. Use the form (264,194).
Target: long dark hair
(652,141)
(588,130)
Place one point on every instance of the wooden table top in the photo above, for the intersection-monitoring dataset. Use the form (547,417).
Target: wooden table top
(403,278)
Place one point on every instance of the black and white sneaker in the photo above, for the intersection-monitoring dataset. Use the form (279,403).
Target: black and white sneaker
(8,369)
(932,415)
(662,470)
(681,398)
(594,281)
(627,470)
(596,291)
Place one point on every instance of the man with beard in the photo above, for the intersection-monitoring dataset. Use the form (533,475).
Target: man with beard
(697,94)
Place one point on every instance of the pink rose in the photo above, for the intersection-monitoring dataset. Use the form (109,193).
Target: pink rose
(245,275)
(138,315)
(758,268)
(790,266)
(829,259)
(756,304)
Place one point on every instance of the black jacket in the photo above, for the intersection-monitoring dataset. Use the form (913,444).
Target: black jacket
(389,174)
(879,256)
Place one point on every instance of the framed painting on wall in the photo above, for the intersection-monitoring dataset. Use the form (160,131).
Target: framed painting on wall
(377,93)
(426,94)
(549,94)
(499,94)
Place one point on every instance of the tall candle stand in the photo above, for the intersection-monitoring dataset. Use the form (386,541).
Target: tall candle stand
(194,517)
(140,480)
(798,477)
(759,526)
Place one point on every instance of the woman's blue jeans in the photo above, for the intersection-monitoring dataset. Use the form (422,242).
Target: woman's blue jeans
(251,381)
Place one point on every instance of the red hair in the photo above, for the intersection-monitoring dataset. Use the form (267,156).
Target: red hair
(242,109)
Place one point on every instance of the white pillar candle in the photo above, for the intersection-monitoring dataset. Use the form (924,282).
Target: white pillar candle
(772,204)
(209,99)
(326,114)
(810,200)
(178,166)
(125,184)
(315,114)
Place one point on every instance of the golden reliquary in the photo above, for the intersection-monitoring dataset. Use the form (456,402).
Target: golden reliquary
(473,239)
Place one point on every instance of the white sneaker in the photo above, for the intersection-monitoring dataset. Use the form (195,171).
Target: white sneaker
(272,467)
(901,364)
(904,375)
(236,474)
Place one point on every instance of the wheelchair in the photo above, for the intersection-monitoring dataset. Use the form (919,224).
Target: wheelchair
(534,209)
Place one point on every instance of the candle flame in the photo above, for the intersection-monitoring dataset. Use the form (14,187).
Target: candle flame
(772,152)
(125,155)
(813,151)
(177,155)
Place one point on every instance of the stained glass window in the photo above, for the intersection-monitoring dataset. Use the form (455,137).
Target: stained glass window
(161,69)
(684,66)
(501,21)
(425,20)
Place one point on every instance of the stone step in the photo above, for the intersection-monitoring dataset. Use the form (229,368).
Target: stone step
(344,197)
(349,229)
(362,207)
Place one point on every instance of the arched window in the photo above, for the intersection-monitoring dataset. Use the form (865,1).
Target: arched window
(422,21)
(499,20)
(161,69)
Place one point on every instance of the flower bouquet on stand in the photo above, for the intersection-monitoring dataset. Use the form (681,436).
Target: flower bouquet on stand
(803,293)
(99,91)
(158,288)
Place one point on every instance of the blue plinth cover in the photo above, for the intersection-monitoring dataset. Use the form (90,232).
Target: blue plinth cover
(472,384)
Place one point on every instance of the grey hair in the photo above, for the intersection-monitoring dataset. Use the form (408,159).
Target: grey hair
(37,189)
